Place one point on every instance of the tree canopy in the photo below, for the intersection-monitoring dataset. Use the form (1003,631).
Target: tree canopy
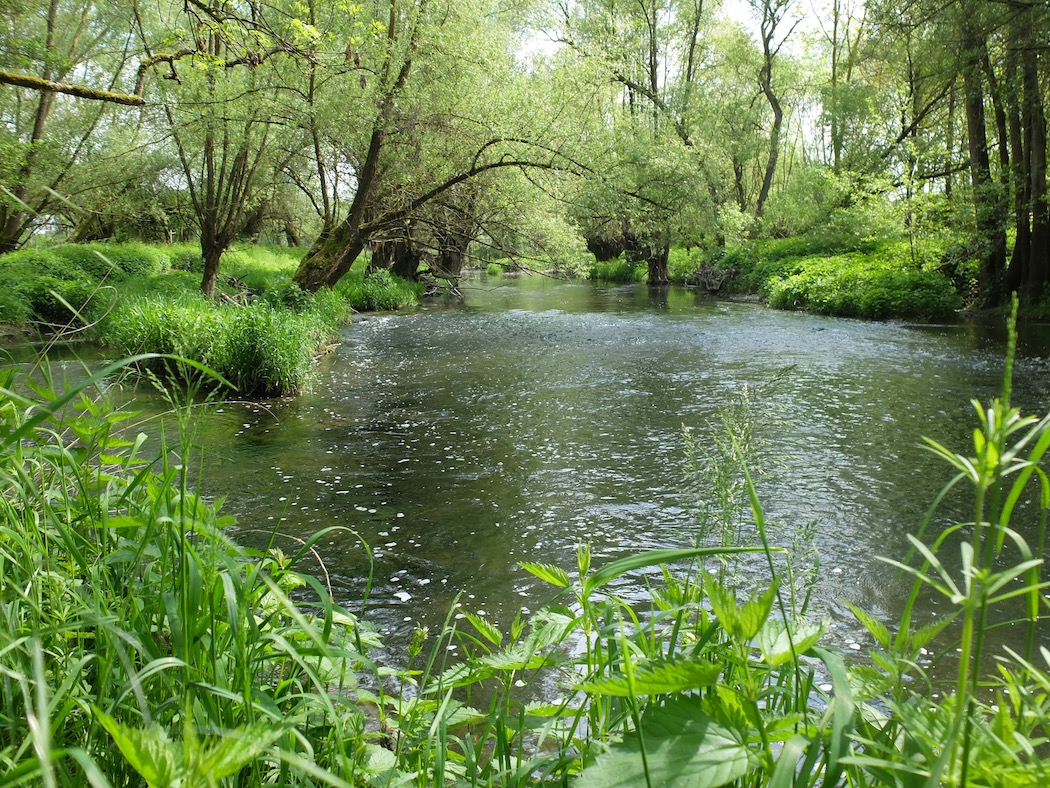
(434,131)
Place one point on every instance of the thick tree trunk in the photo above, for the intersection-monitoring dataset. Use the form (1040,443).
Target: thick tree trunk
(658,271)
(329,258)
(988,204)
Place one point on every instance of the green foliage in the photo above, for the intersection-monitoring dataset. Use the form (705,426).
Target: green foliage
(494,269)
(36,282)
(618,270)
(139,643)
(875,285)
(377,290)
(108,260)
(682,262)
(262,351)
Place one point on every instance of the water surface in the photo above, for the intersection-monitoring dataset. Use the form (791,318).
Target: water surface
(539,415)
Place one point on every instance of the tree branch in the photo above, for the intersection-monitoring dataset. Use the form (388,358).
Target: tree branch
(79,91)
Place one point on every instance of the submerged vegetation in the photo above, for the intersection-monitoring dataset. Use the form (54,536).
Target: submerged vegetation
(137,641)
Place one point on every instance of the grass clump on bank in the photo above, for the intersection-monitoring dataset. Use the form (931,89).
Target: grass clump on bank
(877,281)
(140,641)
(618,270)
(261,334)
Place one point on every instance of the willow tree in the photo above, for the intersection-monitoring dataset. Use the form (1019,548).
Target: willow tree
(219,107)
(441,105)
(47,118)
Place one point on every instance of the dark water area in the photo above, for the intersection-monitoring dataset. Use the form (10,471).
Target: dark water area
(538,415)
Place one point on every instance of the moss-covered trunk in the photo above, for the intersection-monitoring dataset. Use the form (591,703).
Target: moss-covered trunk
(329,258)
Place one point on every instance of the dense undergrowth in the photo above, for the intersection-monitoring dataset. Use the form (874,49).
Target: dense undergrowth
(261,334)
(874,279)
(138,641)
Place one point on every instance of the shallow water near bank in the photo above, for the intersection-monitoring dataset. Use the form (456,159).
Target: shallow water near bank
(537,415)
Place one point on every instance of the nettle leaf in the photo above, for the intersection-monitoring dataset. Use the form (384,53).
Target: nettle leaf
(655,678)
(683,747)
(149,752)
(877,629)
(776,638)
(486,628)
(744,622)
(237,749)
(548,573)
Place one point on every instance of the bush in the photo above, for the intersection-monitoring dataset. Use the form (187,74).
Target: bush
(682,262)
(34,279)
(619,270)
(494,269)
(134,259)
(378,290)
(91,259)
(875,286)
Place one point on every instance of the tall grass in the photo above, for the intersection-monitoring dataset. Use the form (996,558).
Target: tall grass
(262,333)
(135,639)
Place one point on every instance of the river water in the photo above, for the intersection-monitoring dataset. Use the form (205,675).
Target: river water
(537,415)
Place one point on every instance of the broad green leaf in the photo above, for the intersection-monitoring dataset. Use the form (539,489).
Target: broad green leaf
(548,573)
(150,752)
(378,761)
(237,749)
(654,678)
(684,748)
(776,640)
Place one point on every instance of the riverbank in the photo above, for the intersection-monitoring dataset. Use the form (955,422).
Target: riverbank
(261,334)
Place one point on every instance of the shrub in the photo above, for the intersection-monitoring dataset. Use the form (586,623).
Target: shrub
(682,262)
(378,290)
(135,259)
(494,269)
(619,270)
(874,286)
(36,281)
(91,259)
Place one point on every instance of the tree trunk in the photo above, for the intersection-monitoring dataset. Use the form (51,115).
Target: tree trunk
(658,272)
(988,205)
(211,251)
(1038,273)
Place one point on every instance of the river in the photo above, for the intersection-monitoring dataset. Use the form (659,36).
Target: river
(536,415)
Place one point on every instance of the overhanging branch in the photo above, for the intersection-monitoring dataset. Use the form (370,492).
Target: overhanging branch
(79,91)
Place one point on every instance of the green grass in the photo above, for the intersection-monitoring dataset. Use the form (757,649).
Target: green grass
(261,335)
(618,270)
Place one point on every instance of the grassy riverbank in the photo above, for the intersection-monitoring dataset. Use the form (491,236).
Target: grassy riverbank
(873,280)
(261,333)
(137,640)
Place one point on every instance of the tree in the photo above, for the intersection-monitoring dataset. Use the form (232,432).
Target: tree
(448,109)
(44,132)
